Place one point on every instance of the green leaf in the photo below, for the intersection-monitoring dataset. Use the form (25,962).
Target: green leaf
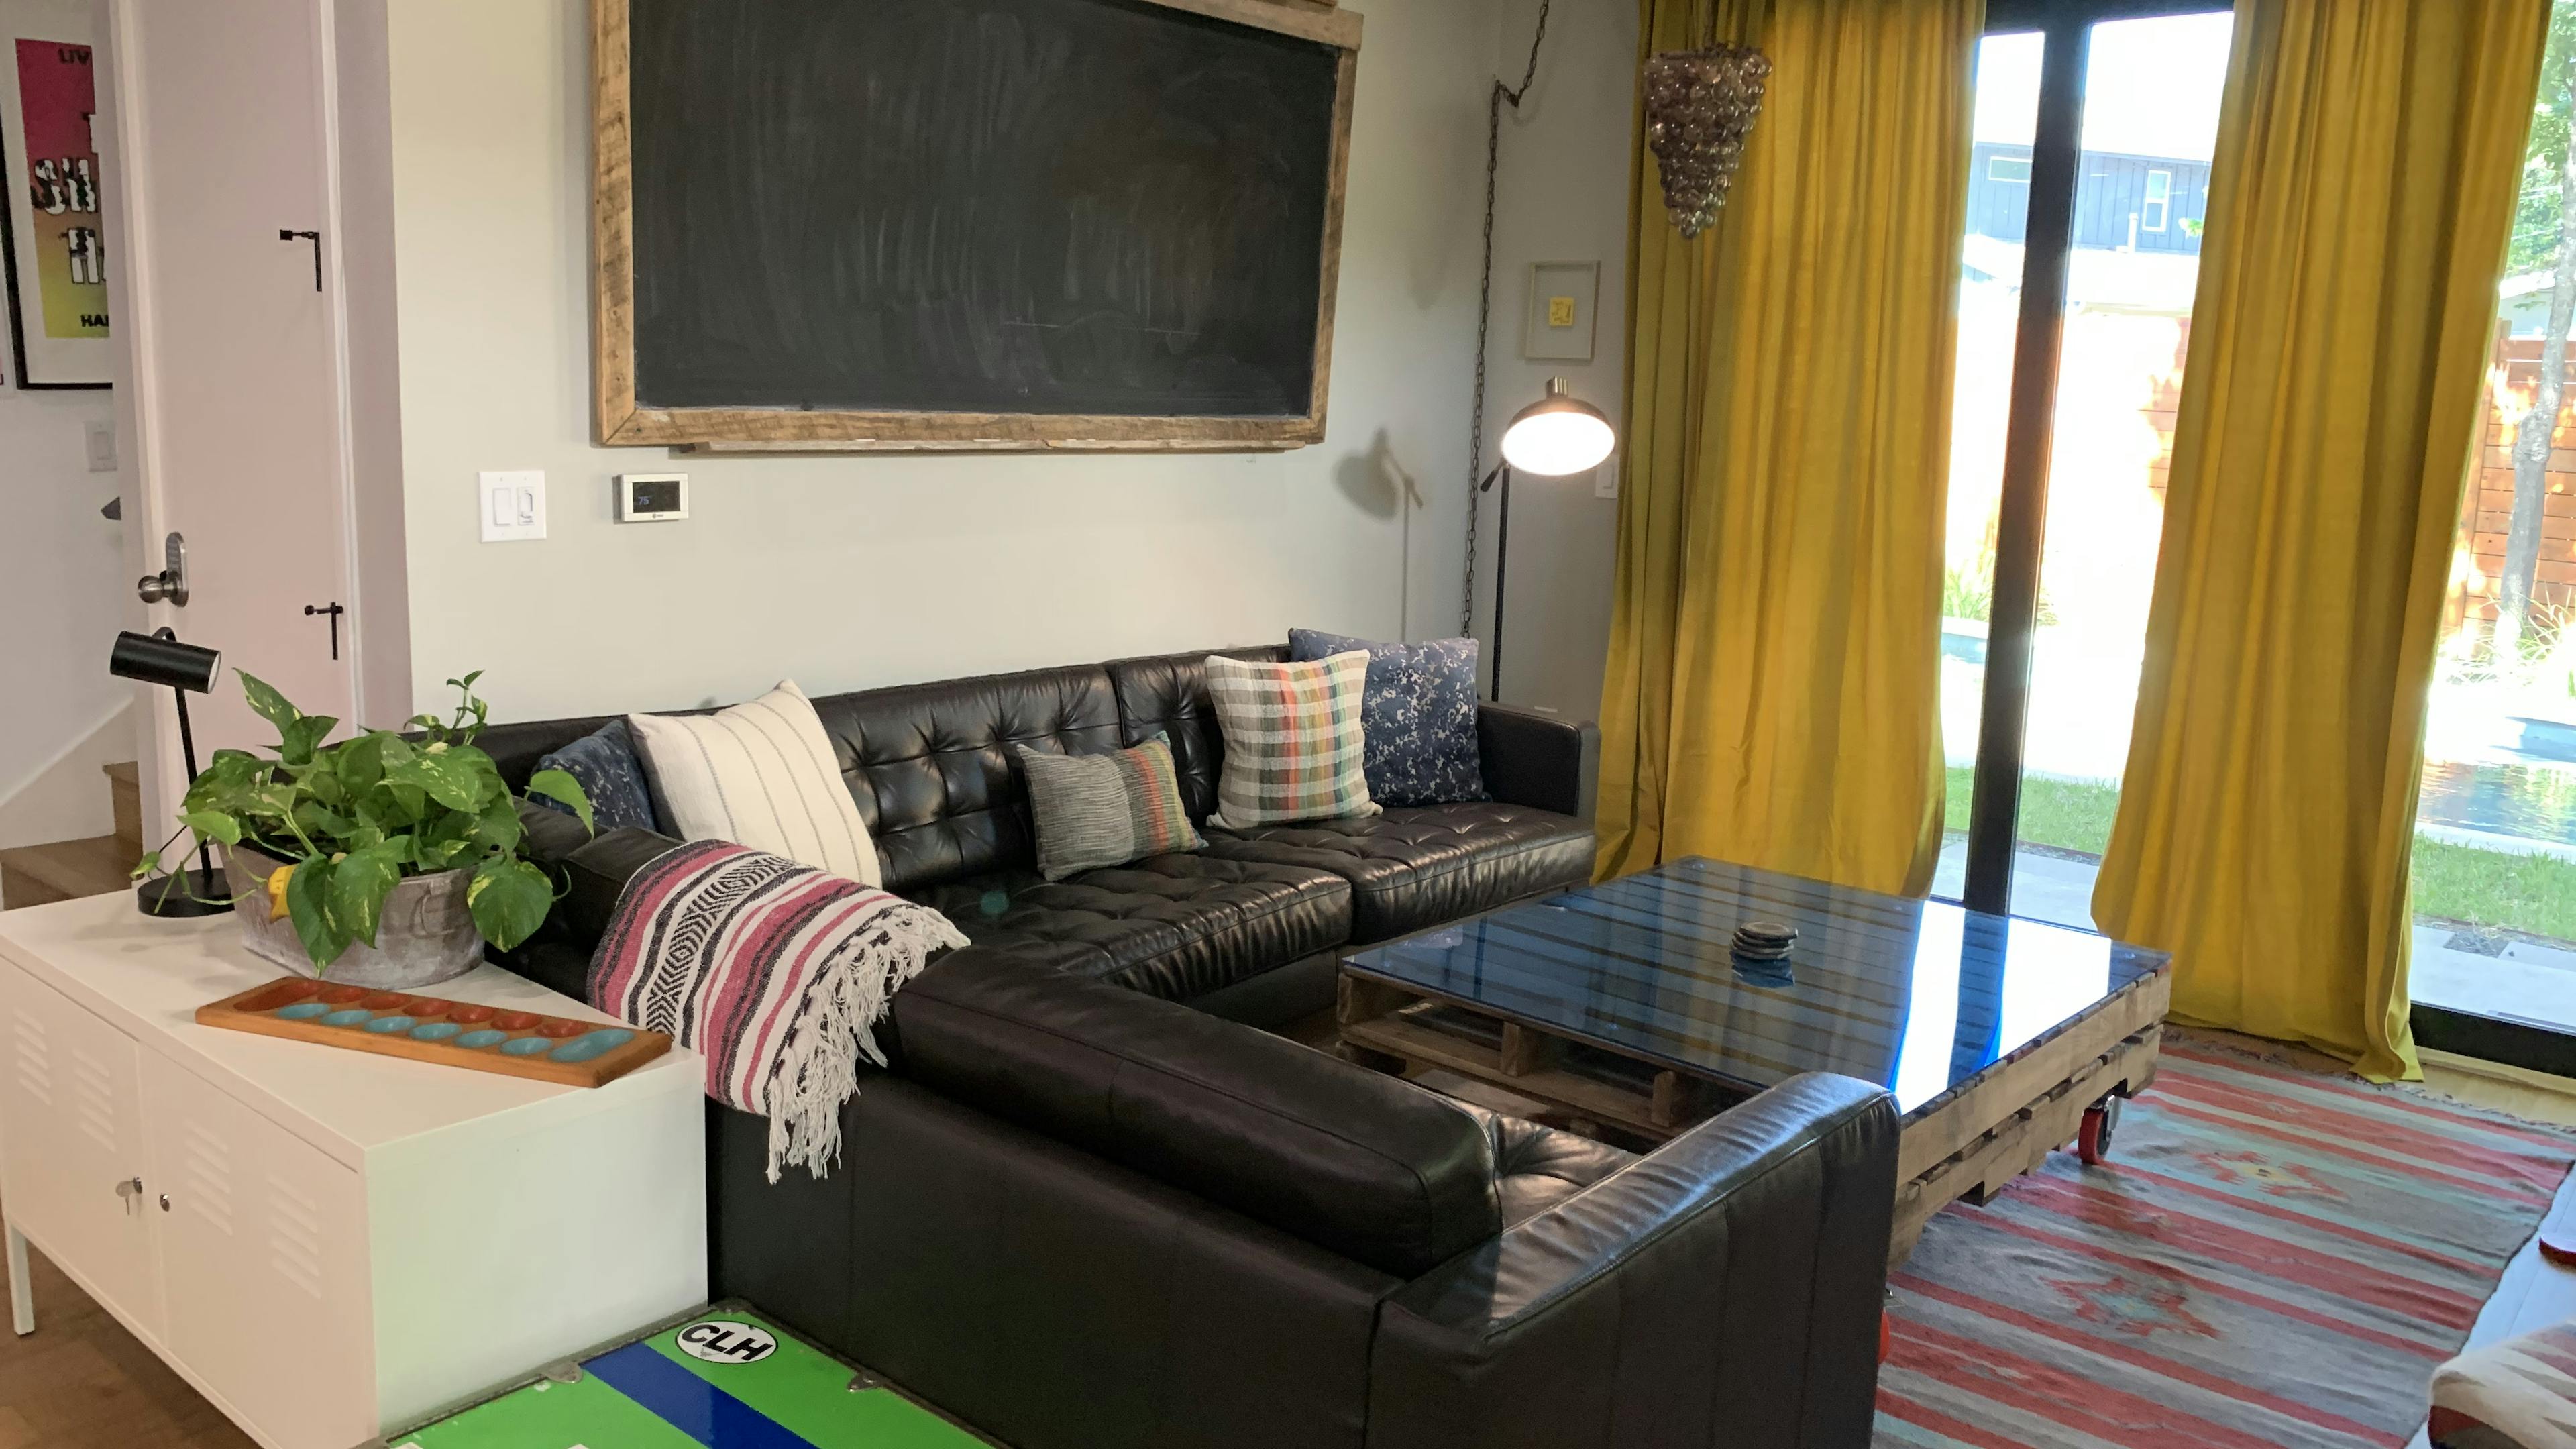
(509,900)
(150,862)
(360,762)
(300,737)
(308,906)
(453,783)
(498,827)
(559,785)
(275,800)
(325,826)
(266,702)
(360,881)
(213,825)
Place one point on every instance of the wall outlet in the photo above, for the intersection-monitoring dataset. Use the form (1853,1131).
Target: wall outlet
(513,505)
(100,434)
(1605,479)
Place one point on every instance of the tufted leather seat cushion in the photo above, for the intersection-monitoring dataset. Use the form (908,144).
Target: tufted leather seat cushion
(1173,926)
(1535,1167)
(1416,866)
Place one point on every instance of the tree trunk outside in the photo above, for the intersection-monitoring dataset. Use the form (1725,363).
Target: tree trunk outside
(2532,440)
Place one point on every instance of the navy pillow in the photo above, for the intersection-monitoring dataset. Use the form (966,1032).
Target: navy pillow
(1417,713)
(605,764)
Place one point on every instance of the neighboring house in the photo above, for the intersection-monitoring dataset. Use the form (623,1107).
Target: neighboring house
(2122,201)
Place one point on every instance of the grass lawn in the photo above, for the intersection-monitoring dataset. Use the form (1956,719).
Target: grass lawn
(2530,893)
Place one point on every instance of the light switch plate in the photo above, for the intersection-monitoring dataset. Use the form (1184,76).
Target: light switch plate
(1605,478)
(512,505)
(100,434)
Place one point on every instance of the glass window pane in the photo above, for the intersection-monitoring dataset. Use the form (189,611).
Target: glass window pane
(2495,827)
(2151,91)
(1989,309)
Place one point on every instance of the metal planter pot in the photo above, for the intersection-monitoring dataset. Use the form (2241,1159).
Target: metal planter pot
(426,935)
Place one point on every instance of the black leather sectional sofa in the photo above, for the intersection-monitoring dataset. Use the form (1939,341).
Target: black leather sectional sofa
(1089,1205)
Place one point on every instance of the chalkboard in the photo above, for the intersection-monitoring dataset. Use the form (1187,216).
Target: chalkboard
(968,223)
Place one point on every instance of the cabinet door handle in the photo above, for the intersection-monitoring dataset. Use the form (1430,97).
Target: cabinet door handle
(165,1202)
(130,1191)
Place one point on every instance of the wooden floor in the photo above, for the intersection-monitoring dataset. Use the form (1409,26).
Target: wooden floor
(80,1381)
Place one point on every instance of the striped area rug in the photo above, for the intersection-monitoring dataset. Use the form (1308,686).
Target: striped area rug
(2272,1259)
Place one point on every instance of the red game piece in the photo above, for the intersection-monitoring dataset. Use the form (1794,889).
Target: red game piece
(559,1028)
(429,1006)
(386,1001)
(469,1014)
(342,995)
(516,1020)
(283,993)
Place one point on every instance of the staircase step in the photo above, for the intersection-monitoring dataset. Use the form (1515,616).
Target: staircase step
(125,787)
(32,875)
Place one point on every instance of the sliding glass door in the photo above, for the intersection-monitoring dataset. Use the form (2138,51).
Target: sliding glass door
(2087,191)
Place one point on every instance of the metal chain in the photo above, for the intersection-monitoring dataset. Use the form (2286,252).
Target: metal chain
(1485,305)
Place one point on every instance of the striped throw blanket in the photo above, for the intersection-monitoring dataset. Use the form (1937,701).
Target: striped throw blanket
(775,972)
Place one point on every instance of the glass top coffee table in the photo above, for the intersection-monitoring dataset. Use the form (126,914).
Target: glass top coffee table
(1624,1004)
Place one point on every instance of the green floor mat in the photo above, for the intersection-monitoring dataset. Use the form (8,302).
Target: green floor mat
(727,1379)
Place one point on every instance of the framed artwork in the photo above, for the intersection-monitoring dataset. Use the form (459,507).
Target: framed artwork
(52,236)
(1562,296)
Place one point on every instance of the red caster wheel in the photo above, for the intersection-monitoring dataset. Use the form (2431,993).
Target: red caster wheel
(2093,1139)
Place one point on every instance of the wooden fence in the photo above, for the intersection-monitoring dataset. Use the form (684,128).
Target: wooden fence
(2486,511)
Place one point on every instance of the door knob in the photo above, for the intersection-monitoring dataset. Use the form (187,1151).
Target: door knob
(130,1192)
(171,584)
(165,1202)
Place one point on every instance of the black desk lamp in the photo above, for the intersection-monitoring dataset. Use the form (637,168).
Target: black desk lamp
(1557,435)
(159,658)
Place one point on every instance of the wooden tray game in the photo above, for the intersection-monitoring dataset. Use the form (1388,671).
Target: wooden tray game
(428,1029)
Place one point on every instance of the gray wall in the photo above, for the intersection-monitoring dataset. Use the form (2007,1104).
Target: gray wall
(1562,195)
(849,572)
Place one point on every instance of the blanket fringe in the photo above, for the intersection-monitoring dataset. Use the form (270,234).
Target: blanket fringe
(835,1025)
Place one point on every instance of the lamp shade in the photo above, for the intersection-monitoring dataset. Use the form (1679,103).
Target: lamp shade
(165,662)
(1558,434)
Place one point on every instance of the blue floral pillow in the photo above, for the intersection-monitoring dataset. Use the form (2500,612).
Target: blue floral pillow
(605,764)
(1418,713)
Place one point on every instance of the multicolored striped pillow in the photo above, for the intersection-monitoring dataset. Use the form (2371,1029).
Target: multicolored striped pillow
(1294,743)
(1100,810)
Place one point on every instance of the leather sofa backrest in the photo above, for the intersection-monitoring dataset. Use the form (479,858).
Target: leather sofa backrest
(932,769)
(1368,1166)
(1168,693)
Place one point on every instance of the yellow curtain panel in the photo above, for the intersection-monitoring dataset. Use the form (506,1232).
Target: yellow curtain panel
(1772,696)
(2368,156)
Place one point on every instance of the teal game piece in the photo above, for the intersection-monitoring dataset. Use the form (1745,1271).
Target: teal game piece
(388,1025)
(302,1009)
(350,1017)
(483,1038)
(526,1046)
(591,1044)
(435,1031)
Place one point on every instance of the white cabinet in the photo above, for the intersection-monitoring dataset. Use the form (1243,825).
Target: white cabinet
(328,1244)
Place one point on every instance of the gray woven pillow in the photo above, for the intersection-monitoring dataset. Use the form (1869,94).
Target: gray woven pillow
(1101,810)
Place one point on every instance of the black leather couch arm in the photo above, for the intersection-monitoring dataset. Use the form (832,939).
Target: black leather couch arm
(589,873)
(1725,1289)
(1539,760)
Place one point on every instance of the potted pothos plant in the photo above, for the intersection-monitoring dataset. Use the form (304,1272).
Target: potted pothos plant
(393,856)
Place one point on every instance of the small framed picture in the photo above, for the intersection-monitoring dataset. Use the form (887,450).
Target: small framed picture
(52,233)
(1562,296)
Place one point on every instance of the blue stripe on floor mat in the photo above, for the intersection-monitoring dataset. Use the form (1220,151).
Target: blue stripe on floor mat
(689,1403)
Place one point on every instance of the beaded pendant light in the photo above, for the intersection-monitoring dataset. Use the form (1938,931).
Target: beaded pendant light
(1700,105)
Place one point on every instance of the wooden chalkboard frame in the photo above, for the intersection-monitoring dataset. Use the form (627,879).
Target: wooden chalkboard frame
(625,423)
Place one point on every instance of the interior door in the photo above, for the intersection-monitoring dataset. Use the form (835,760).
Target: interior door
(72,1157)
(263,1263)
(236,389)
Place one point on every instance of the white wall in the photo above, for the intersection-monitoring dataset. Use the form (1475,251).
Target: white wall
(1561,195)
(850,572)
(63,591)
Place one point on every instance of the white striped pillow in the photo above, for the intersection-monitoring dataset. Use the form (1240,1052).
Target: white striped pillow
(760,774)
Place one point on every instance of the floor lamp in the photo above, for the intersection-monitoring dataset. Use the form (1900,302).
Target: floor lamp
(1557,435)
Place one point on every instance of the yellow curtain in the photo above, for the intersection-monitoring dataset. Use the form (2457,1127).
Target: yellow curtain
(2368,156)
(1772,695)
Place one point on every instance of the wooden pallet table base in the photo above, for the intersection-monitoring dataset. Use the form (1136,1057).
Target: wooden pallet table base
(1987,1132)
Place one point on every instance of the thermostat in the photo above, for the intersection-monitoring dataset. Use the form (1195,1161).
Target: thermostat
(652,497)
